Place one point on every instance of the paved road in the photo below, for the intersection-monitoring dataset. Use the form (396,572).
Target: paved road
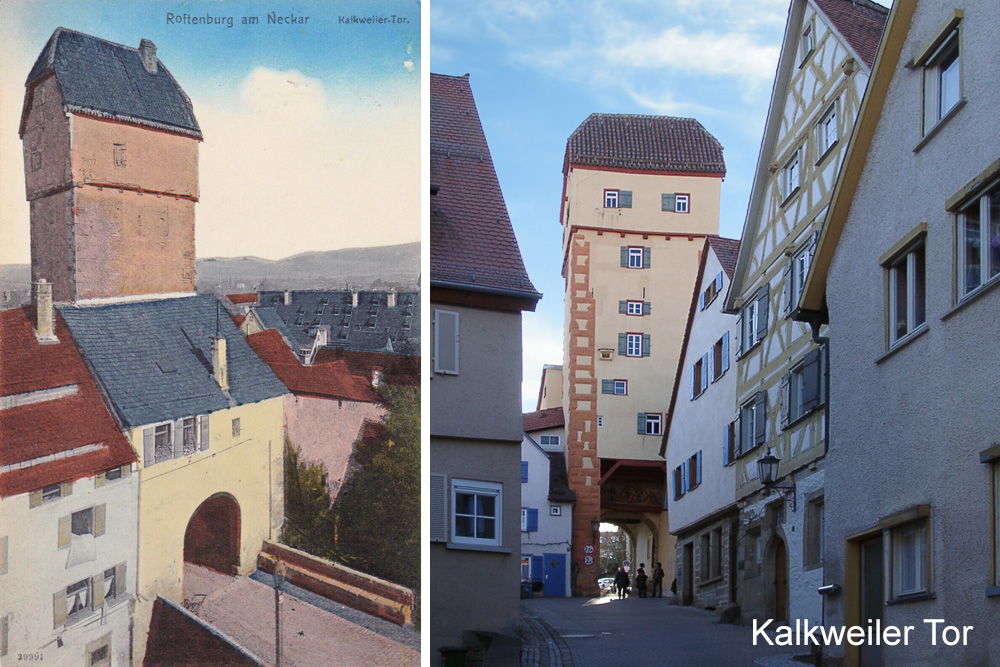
(314,631)
(592,632)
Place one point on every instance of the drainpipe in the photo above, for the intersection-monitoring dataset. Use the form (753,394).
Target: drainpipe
(824,341)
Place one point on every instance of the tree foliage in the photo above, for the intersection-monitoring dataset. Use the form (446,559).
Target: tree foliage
(614,550)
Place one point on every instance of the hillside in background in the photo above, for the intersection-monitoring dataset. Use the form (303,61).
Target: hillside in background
(376,268)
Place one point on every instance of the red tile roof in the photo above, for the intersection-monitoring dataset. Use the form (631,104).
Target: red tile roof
(51,427)
(397,369)
(243,298)
(649,143)
(727,250)
(860,22)
(238,320)
(472,242)
(327,380)
(542,419)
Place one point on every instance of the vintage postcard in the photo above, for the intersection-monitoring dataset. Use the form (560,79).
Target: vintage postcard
(210,333)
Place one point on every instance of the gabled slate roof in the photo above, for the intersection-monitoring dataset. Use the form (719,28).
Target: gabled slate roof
(472,243)
(371,327)
(108,80)
(332,379)
(860,22)
(37,426)
(650,143)
(153,359)
(727,250)
(543,419)
(559,491)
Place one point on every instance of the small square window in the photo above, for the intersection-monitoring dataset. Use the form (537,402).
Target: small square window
(555,510)
(942,81)
(113,474)
(827,132)
(611,199)
(633,346)
(633,308)
(82,522)
(548,440)
(808,42)
(681,203)
(476,517)
(791,177)
(621,387)
(51,492)
(635,257)
(653,423)
(907,305)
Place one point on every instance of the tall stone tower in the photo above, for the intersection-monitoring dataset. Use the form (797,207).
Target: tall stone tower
(111,170)
(640,193)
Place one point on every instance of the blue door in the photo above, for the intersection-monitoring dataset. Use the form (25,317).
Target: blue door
(555,575)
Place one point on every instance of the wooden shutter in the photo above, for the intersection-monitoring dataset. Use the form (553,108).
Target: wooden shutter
(126,470)
(727,444)
(718,283)
(524,471)
(760,417)
(439,507)
(532,520)
(787,275)
(667,201)
(705,361)
(701,301)
(725,352)
(99,480)
(625,256)
(739,334)
(645,345)
(698,461)
(622,344)
(148,446)
(59,610)
(694,369)
(65,528)
(646,308)
(762,302)
(120,586)
(34,498)
(204,441)
(446,335)
(645,257)
(178,432)
(100,518)
(623,307)
(607,386)
(97,585)
(677,482)
(738,434)
(67,489)
(685,476)
(625,199)
(812,376)
(642,423)
(785,396)
(536,569)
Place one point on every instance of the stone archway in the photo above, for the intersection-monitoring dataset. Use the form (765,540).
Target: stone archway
(212,538)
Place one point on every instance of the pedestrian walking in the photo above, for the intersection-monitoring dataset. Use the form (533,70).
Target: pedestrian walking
(621,582)
(640,579)
(658,575)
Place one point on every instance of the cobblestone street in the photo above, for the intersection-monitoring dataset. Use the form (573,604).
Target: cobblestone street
(588,632)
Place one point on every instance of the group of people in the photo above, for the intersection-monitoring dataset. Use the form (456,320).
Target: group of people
(623,581)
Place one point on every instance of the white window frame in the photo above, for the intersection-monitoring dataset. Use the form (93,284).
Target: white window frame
(682,203)
(477,488)
(915,305)
(988,235)
(633,307)
(524,519)
(635,257)
(633,344)
(611,198)
(654,423)
(552,440)
(555,510)
(800,271)
(827,131)
(623,385)
(751,317)
(73,616)
(791,175)
(944,63)
(166,428)
(914,533)
(748,427)
(439,344)
(807,44)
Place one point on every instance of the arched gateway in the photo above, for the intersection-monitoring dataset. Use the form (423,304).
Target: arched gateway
(212,538)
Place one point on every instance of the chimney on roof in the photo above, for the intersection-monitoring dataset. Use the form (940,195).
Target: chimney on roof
(44,318)
(392,298)
(220,363)
(147,52)
(288,297)
(354,298)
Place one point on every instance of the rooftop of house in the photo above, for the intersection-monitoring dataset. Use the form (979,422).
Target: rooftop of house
(472,243)
(860,22)
(153,359)
(559,491)
(648,143)
(727,250)
(249,297)
(543,419)
(54,426)
(396,369)
(332,379)
(109,80)
(373,326)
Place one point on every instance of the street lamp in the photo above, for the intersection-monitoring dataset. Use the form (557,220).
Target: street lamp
(595,527)
(767,470)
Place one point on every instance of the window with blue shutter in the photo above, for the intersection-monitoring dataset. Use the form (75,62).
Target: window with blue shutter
(524,471)
(725,352)
(645,345)
(607,386)
(623,307)
(625,199)
(667,201)
(537,568)
(645,308)
(645,257)
(532,520)
(622,344)
(641,429)
(624,256)
(698,476)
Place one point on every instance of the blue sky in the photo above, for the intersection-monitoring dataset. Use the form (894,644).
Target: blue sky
(540,67)
(312,131)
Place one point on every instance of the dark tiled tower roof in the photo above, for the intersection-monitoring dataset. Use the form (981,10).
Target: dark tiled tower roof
(859,21)
(649,143)
(109,80)
(472,243)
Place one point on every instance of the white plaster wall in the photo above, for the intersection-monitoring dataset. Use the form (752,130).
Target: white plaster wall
(37,570)
(554,534)
(701,424)
(908,430)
